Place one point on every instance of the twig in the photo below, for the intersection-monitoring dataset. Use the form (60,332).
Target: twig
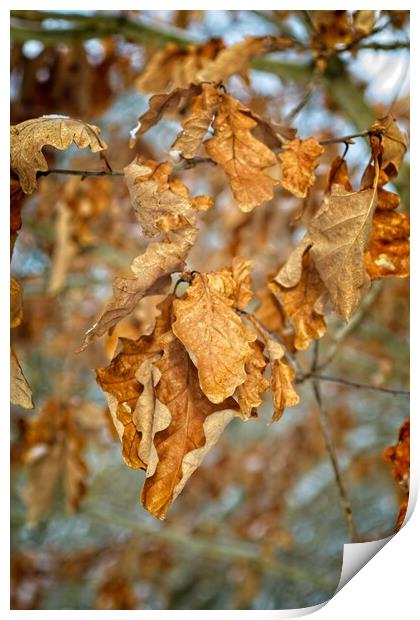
(184,164)
(98,25)
(395,45)
(83,173)
(362,134)
(354,384)
(329,444)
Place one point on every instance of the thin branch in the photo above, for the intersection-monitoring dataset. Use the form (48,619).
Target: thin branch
(329,444)
(83,173)
(362,134)
(184,164)
(354,384)
(395,45)
(97,25)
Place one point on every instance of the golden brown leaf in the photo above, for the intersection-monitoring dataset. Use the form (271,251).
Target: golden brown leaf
(339,174)
(290,273)
(123,386)
(175,66)
(160,205)
(195,126)
(340,233)
(332,28)
(387,201)
(303,303)
(271,314)
(16,308)
(282,375)
(20,391)
(393,144)
(214,336)
(249,164)
(389,250)
(233,59)
(195,426)
(165,103)
(54,443)
(399,457)
(28,139)
(299,160)
(249,394)
(364,22)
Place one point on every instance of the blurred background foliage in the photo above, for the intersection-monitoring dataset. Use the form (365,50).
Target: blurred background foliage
(259,525)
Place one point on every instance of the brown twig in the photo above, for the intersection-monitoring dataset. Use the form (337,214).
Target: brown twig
(326,431)
(83,173)
(354,384)
(362,134)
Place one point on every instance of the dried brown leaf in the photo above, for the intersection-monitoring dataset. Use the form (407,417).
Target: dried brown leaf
(28,139)
(123,386)
(54,444)
(195,425)
(340,233)
(214,336)
(175,66)
(160,204)
(196,125)
(249,164)
(393,145)
(303,304)
(20,391)
(16,307)
(234,59)
(165,103)
(249,394)
(389,249)
(282,375)
(299,160)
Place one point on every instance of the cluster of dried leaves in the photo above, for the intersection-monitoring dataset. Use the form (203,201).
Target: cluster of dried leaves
(172,391)
(399,457)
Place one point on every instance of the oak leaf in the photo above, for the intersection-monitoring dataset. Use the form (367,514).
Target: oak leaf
(389,249)
(29,138)
(364,22)
(339,174)
(249,394)
(196,125)
(298,162)
(123,386)
(214,336)
(249,164)
(332,28)
(20,391)
(160,205)
(153,196)
(165,103)
(54,444)
(175,66)
(340,233)
(393,144)
(195,426)
(303,302)
(399,456)
(233,60)
(282,375)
